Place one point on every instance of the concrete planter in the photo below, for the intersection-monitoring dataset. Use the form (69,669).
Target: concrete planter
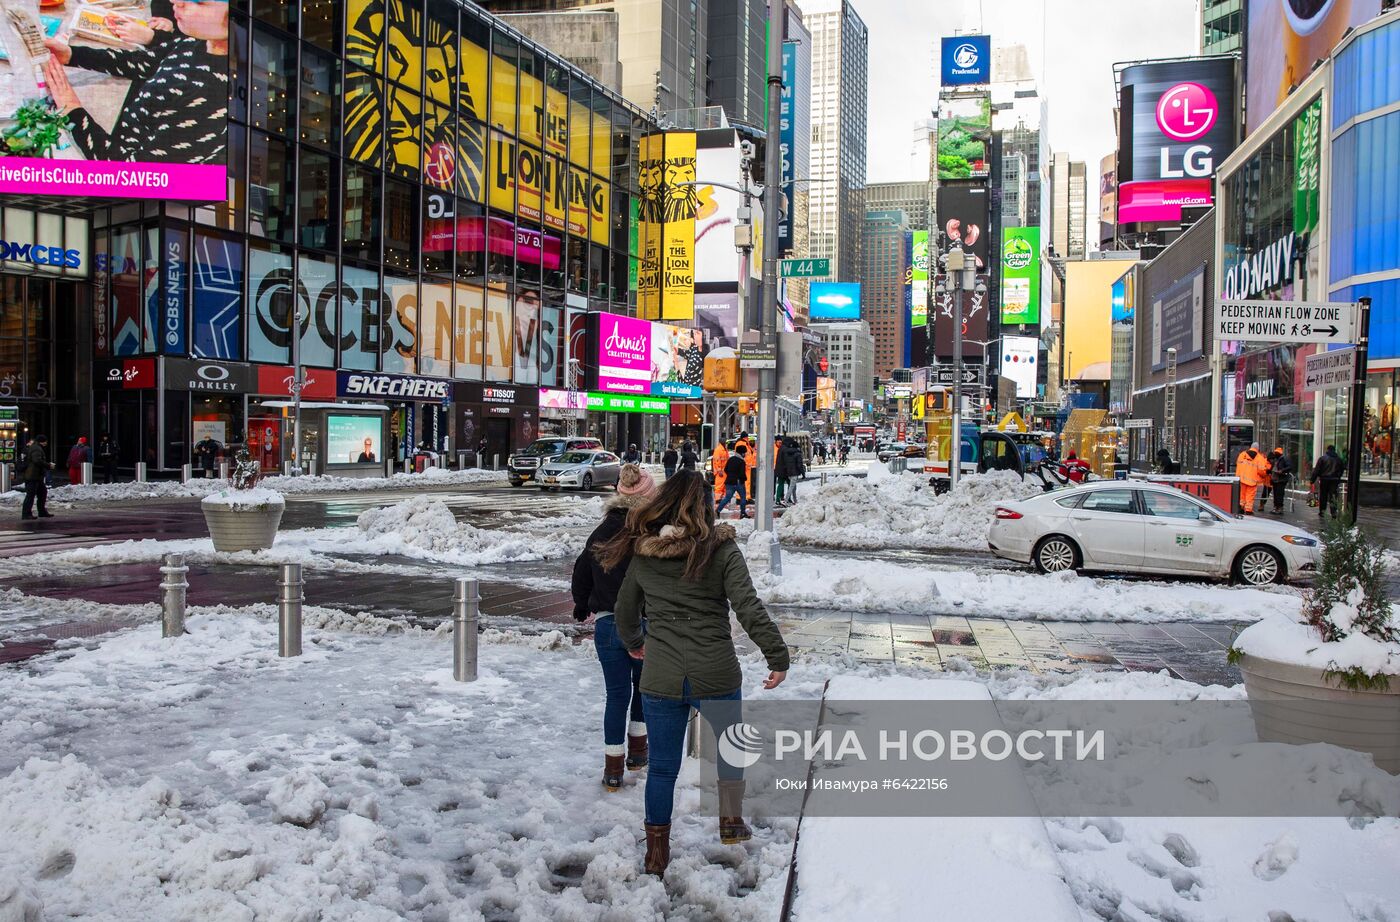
(245,528)
(1293,704)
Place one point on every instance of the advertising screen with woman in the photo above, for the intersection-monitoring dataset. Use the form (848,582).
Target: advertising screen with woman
(127,100)
(353,439)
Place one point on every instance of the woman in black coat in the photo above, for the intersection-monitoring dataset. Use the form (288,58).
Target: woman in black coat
(595,593)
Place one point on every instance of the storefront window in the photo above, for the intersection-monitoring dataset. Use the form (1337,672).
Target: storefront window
(177,421)
(270,295)
(317,300)
(1379,425)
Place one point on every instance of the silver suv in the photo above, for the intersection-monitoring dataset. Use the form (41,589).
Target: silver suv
(524,464)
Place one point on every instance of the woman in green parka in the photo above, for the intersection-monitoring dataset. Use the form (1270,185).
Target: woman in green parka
(686,573)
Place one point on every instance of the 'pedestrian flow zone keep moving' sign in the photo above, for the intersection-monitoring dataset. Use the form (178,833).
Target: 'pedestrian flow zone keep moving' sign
(1286,321)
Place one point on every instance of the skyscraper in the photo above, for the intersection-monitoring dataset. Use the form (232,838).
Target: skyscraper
(1068,191)
(836,209)
(662,44)
(796,126)
(1019,115)
(884,282)
(1222,26)
(737,69)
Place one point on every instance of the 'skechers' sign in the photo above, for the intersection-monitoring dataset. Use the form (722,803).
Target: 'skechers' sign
(1286,321)
(392,387)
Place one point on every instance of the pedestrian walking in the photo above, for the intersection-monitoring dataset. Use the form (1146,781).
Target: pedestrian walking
(36,472)
(594,588)
(686,573)
(206,453)
(670,460)
(1250,471)
(78,455)
(689,458)
(632,455)
(736,470)
(1280,474)
(107,457)
(718,459)
(1327,478)
(789,469)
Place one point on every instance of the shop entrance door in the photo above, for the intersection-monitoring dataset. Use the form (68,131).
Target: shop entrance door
(497,440)
(265,442)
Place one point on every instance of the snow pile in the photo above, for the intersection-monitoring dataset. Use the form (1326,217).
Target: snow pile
(255,500)
(424,527)
(814,581)
(200,487)
(1285,638)
(900,511)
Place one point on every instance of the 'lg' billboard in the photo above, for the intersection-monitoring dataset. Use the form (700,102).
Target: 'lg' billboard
(1177,122)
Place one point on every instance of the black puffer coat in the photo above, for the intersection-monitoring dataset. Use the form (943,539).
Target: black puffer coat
(593,588)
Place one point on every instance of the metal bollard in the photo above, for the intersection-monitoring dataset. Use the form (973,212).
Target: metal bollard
(5,484)
(186,473)
(823,478)
(223,469)
(466,612)
(87,474)
(172,595)
(311,467)
(461,460)
(289,599)
(140,471)
(287,468)
(495,462)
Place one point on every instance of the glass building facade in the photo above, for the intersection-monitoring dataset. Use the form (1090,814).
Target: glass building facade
(415,192)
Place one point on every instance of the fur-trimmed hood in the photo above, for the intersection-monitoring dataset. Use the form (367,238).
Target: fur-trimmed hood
(672,543)
(625,502)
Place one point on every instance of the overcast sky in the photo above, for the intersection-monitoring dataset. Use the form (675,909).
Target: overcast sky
(1072,44)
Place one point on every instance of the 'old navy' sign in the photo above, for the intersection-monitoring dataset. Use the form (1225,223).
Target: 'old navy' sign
(40,255)
(1261,273)
(391,387)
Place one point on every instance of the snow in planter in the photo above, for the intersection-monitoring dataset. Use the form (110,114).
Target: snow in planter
(887,510)
(258,499)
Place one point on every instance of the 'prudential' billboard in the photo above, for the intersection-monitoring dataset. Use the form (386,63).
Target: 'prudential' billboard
(1020,275)
(967,60)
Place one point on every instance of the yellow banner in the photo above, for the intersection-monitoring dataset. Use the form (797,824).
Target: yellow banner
(531,108)
(471,81)
(503,97)
(502,169)
(555,192)
(599,198)
(404,61)
(579,210)
(602,145)
(650,169)
(578,135)
(517,171)
(678,236)
(556,123)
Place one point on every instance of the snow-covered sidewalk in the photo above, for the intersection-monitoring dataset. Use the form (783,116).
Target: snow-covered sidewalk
(206,778)
(200,487)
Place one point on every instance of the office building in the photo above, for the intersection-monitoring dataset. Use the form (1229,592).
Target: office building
(836,209)
(1222,26)
(737,77)
(662,45)
(1069,204)
(587,39)
(795,125)
(850,351)
(884,293)
(912,198)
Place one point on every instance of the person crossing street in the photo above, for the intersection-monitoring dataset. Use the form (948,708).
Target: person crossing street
(1250,468)
(1279,475)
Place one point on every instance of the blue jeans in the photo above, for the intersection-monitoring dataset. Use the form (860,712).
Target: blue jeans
(621,677)
(666,722)
(731,490)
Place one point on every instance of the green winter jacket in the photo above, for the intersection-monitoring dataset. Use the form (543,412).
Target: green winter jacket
(687,632)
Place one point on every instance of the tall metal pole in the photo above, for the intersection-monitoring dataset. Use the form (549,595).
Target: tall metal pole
(1358,403)
(768,305)
(955,266)
(296,388)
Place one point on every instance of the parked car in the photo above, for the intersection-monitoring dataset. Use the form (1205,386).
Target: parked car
(523,465)
(584,470)
(1118,527)
(892,450)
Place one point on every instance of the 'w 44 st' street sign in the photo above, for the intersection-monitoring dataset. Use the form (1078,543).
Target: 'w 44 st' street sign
(1286,321)
(804,268)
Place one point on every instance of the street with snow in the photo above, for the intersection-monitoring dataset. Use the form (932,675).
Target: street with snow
(205,777)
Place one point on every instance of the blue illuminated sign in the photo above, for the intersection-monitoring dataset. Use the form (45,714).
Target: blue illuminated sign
(967,60)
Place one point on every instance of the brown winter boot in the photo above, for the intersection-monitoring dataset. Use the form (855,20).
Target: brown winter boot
(732,828)
(612,772)
(658,849)
(636,752)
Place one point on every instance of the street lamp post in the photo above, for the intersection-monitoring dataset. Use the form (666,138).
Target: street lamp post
(298,382)
(962,276)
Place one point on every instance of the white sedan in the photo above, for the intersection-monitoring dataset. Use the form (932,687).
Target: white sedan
(1126,527)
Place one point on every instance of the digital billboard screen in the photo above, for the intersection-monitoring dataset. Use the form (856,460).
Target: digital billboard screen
(1020,275)
(354,439)
(1176,123)
(677,361)
(964,128)
(918,281)
(964,218)
(1019,355)
(1285,38)
(966,60)
(835,300)
(115,102)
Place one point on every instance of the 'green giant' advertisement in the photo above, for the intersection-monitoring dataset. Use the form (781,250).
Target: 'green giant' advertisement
(1020,275)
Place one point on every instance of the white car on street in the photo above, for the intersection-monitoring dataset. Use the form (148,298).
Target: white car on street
(1125,527)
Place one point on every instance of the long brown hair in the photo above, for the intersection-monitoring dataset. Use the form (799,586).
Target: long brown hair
(683,501)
